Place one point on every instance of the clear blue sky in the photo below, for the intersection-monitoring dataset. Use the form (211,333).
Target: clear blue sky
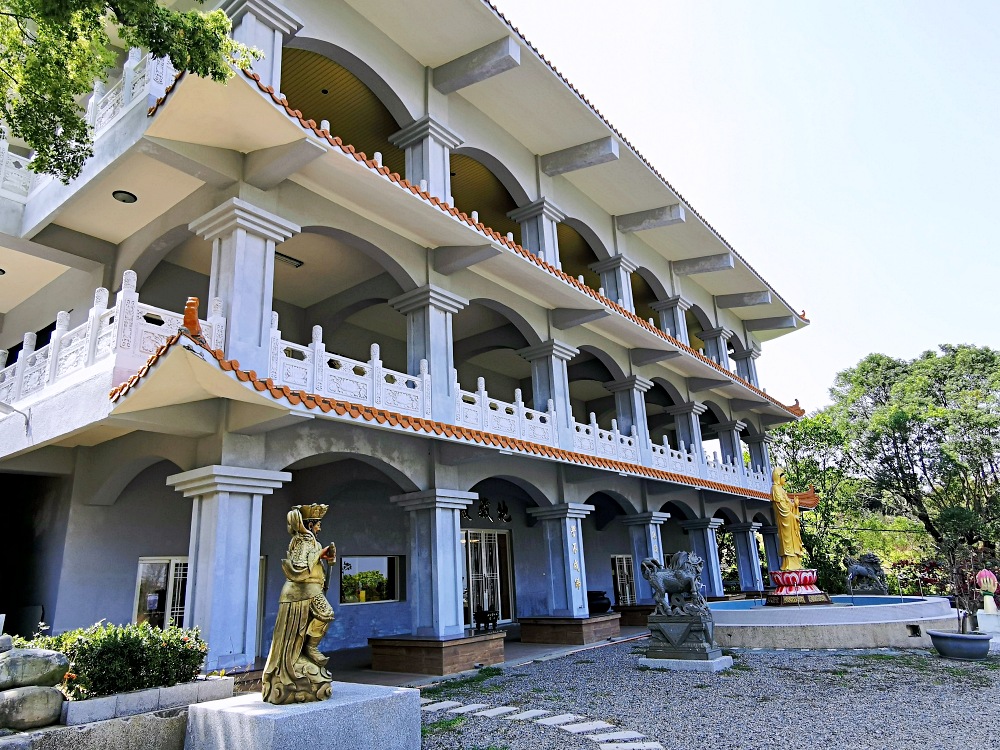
(850,151)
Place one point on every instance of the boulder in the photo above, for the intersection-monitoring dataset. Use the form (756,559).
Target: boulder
(21,667)
(29,707)
(6,643)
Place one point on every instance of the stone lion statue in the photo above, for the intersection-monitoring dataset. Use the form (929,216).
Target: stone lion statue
(867,572)
(676,587)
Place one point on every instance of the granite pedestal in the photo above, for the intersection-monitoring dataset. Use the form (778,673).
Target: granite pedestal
(355,717)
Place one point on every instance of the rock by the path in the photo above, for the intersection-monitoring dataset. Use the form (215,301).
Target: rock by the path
(6,643)
(22,667)
(29,707)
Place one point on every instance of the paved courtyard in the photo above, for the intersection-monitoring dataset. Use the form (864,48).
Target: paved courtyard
(599,699)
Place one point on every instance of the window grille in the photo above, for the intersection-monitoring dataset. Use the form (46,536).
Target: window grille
(623,573)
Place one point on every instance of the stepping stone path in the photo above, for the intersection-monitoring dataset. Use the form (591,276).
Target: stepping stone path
(605,735)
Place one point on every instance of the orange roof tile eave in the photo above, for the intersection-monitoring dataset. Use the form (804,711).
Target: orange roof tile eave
(418,424)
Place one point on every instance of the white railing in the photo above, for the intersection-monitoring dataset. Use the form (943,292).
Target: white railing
(315,370)
(590,438)
(129,331)
(143,78)
(16,177)
(480,412)
(679,461)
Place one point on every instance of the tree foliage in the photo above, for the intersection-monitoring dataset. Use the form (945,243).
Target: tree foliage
(52,52)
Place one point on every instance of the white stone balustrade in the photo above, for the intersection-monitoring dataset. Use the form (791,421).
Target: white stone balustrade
(16,178)
(480,412)
(680,461)
(315,370)
(724,471)
(590,438)
(129,331)
(144,79)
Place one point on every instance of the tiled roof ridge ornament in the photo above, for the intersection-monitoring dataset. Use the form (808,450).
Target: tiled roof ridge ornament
(192,325)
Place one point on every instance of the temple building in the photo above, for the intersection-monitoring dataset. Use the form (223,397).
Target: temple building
(439,293)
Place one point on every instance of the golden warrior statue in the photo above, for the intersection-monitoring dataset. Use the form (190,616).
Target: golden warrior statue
(295,671)
(786,518)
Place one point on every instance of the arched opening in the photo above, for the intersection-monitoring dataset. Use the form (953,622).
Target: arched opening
(611,567)
(323,88)
(475,187)
(579,248)
(697,320)
(662,424)
(588,372)
(728,553)
(710,419)
(368,584)
(646,289)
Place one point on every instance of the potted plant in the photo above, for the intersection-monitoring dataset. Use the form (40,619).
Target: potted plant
(962,560)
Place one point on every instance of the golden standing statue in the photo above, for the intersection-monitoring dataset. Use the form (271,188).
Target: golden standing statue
(787,518)
(295,671)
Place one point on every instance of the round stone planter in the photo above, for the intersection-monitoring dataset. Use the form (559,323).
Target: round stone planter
(961,646)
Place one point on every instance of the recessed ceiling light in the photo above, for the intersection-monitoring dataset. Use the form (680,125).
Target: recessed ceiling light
(124,196)
(325,91)
(2,272)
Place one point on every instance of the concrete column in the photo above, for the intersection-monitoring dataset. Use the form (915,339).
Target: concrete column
(746,365)
(616,279)
(644,533)
(760,458)
(434,570)
(747,555)
(549,381)
(566,571)
(243,239)
(538,222)
(224,557)
(715,344)
(689,426)
(706,546)
(771,549)
(729,441)
(630,404)
(266,25)
(429,337)
(672,318)
(428,144)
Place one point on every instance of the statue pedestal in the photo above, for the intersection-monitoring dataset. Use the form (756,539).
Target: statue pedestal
(355,717)
(795,587)
(684,643)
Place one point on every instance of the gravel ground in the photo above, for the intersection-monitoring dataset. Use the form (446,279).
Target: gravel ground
(770,699)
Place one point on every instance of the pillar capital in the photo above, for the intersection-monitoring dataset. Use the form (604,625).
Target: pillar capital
(542,207)
(235,214)
(213,479)
(716,333)
(428,296)
(550,348)
(735,425)
(436,499)
(760,437)
(748,526)
(650,518)
(614,263)
(561,511)
(425,127)
(274,15)
(752,353)
(701,523)
(691,407)
(670,303)
(768,530)
(630,383)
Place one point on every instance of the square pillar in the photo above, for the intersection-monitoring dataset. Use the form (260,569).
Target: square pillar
(266,25)
(565,571)
(539,221)
(550,382)
(224,557)
(747,555)
(616,278)
(644,533)
(716,340)
(672,319)
(689,427)
(630,404)
(434,570)
(706,546)
(746,365)
(760,458)
(427,145)
(243,239)
(771,548)
(729,441)
(429,338)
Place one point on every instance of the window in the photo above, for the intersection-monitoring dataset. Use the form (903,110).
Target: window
(623,573)
(370,578)
(160,589)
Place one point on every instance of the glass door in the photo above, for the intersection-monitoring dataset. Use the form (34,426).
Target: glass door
(488,584)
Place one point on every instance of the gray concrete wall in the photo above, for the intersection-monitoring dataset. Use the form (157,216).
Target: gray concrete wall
(598,546)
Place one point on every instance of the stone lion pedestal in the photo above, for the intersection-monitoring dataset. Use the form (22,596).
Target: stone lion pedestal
(354,717)
(684,643)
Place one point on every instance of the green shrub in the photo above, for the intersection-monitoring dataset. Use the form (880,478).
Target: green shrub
(107,659)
